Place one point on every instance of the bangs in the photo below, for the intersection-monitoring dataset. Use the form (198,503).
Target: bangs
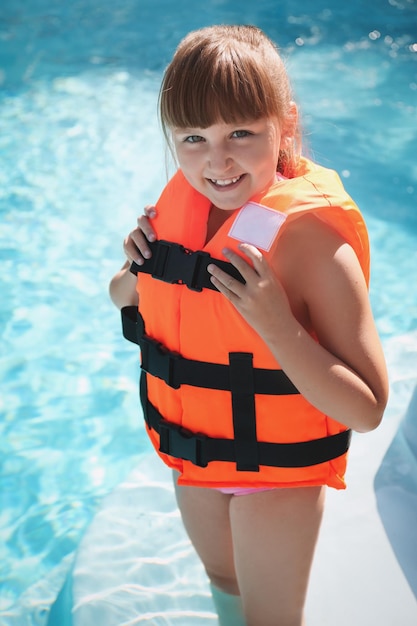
(210,88)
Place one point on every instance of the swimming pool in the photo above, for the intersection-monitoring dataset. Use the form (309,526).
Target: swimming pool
(80,154)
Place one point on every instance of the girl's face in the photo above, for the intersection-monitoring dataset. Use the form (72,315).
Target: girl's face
(229,163)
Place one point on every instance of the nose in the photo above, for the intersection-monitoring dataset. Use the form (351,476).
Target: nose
(219,159)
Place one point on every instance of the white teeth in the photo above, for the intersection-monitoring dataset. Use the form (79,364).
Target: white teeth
(225,182)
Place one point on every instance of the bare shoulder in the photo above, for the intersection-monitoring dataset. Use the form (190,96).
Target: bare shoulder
(309,250)
(309,234)
(321,270)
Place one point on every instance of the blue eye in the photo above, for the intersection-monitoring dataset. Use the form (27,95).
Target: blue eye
(239,134)
(193,139)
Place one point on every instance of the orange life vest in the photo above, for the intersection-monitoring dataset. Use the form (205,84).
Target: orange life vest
(218,408)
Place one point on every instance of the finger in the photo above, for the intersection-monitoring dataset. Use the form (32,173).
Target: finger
(135,247)
(145,226)
(130,251)
(150,211)
(251,251)
(224,290)
(225,283)
(241,264)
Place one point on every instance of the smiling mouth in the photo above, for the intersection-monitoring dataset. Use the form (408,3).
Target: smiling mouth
(225,182)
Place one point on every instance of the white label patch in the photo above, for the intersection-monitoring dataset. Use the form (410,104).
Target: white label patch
(257,224)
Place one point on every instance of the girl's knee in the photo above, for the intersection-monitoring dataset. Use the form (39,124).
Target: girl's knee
(227,584)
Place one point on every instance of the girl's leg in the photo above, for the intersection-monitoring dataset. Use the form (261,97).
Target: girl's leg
(260,545)
(206,517)
(205,513)
(274,536)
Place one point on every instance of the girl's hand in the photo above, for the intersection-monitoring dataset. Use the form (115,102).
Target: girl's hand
(135,245)
(262,301)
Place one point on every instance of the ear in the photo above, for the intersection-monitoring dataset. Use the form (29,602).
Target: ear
(289,129)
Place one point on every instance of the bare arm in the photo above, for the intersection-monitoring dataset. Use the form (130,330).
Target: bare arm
(122,286)
(343,374)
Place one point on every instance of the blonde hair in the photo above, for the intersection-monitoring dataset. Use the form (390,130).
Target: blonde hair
(228,74)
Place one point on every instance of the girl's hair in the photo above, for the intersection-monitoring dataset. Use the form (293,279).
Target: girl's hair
(228,74)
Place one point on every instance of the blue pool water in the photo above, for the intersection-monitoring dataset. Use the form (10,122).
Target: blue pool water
(80,155)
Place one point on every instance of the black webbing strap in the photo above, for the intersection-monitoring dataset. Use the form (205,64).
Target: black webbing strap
(243,411)
(175,371)
(172,263)
(132,326)
(243,381)
(200,450)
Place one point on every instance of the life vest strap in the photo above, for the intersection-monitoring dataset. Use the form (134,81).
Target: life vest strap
(173,263)
(243,381)
(175,370)
(243,411)
(200,449)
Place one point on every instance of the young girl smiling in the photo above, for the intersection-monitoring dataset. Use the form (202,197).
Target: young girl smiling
(250,305)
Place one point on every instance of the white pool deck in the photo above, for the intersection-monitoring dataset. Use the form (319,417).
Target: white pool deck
(135,564)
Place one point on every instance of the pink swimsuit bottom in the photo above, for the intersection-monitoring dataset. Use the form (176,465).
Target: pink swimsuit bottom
(242,491)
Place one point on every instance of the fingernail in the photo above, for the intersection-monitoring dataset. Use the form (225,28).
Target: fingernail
(147,254)
(151,237)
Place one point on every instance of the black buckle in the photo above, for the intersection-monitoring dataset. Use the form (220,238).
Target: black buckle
(181,443)
(158,361)
(177,265)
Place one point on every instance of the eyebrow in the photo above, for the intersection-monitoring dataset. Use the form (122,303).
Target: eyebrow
(187,131)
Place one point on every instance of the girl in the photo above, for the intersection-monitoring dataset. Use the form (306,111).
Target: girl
(259,349)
